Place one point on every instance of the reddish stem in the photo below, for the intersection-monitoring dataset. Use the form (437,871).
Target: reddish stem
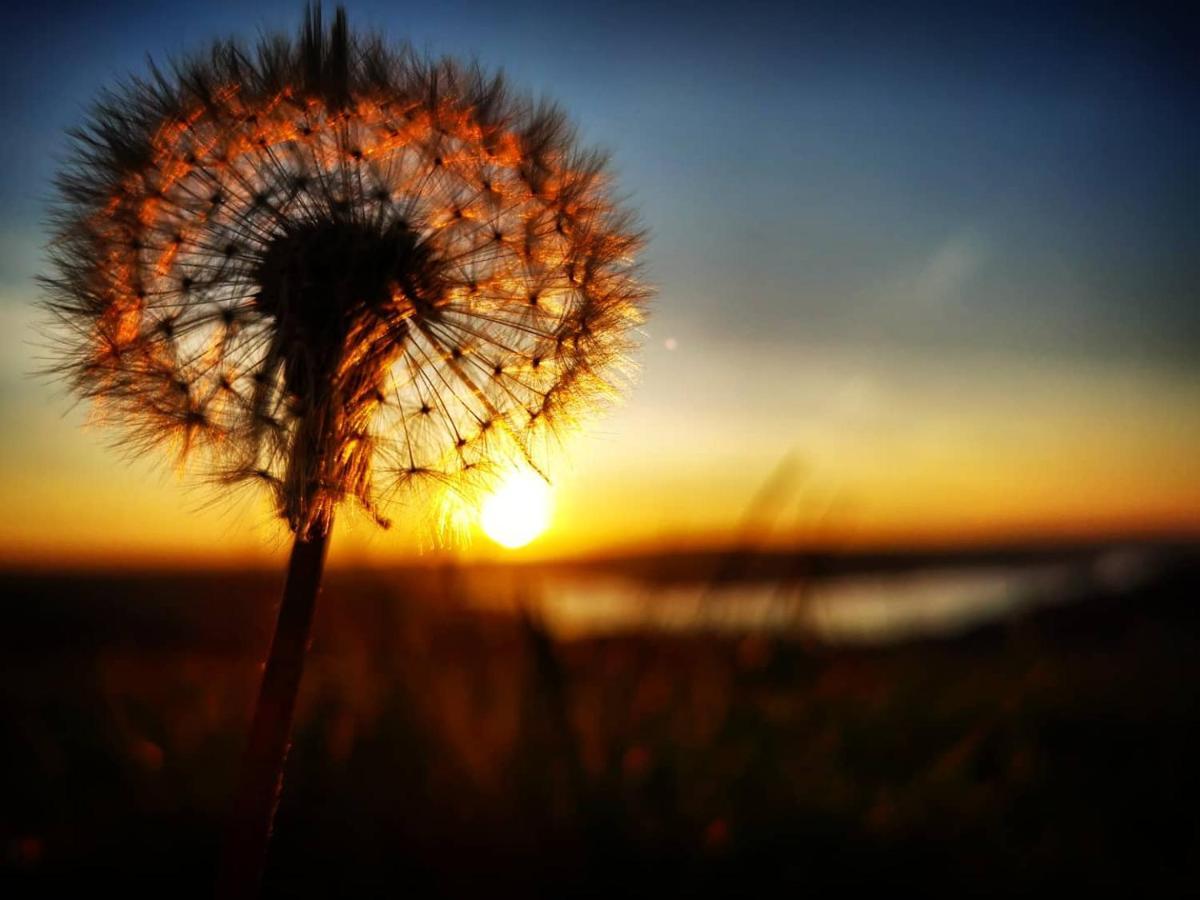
(244,853)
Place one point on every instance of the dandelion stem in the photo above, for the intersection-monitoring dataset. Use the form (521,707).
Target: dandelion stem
(244,854)
(249,249)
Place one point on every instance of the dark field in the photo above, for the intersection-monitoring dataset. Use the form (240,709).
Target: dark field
(447,751)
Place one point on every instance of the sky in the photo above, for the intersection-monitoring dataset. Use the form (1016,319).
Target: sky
(924,273)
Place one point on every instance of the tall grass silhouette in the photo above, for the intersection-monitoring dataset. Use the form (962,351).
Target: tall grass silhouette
(344,273)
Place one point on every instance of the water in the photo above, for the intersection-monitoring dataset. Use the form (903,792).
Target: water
(848,609)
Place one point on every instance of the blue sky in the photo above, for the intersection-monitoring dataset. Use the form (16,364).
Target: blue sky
(809,153)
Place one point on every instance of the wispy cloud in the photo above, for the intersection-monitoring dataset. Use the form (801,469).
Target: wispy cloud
(940,280)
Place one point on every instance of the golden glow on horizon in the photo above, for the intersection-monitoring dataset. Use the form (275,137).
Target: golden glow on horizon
(996,451)
(518,511)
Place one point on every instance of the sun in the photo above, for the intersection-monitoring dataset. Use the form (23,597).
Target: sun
(518,511)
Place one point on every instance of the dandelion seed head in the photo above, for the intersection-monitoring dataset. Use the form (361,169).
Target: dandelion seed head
(339,270)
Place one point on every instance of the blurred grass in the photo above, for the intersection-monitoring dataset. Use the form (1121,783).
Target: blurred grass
(443,750)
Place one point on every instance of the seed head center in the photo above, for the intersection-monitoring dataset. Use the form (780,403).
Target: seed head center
(322,281)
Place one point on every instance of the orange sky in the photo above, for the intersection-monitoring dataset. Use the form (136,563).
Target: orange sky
(879,450)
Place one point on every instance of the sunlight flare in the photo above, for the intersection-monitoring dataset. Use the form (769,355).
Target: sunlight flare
(518,511)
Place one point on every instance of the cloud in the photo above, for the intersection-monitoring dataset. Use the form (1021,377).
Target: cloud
(941,280)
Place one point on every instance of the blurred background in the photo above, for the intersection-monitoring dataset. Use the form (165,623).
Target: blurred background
(884,573)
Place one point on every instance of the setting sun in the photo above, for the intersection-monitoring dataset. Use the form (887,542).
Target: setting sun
(518,511)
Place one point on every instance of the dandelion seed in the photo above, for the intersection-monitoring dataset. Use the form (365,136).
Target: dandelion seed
(196,202)
(336,270)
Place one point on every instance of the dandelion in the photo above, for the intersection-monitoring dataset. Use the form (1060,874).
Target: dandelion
(341,272)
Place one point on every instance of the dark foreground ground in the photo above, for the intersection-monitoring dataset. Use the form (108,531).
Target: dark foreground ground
(444,752)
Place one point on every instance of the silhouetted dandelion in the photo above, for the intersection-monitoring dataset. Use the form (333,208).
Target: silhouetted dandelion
(340,271)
